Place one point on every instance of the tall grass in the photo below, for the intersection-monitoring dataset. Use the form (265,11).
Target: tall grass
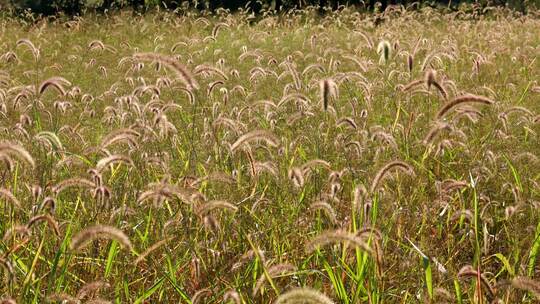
(226,158)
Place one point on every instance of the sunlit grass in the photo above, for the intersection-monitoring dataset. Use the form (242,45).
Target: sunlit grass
(297,155)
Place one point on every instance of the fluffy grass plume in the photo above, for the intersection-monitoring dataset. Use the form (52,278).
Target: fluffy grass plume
(256,135)
(87,235)
(11,149)
(464,99)
(6,194)
(45,218)
(180,70)
(328,91)
(381,174)
(527,284)
(112,159)
(337,236)
(303,295)
(216,204)
(57,83)
(384,50)
(326,208)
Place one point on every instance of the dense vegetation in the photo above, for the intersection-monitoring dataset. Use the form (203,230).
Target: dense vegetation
(345,158)
(72,7)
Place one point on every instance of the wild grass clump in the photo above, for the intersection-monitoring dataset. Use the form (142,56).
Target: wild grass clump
(344,157)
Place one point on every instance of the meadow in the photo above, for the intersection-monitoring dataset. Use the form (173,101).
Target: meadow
(282,158)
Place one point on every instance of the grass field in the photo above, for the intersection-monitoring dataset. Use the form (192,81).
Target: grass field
(280,159)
